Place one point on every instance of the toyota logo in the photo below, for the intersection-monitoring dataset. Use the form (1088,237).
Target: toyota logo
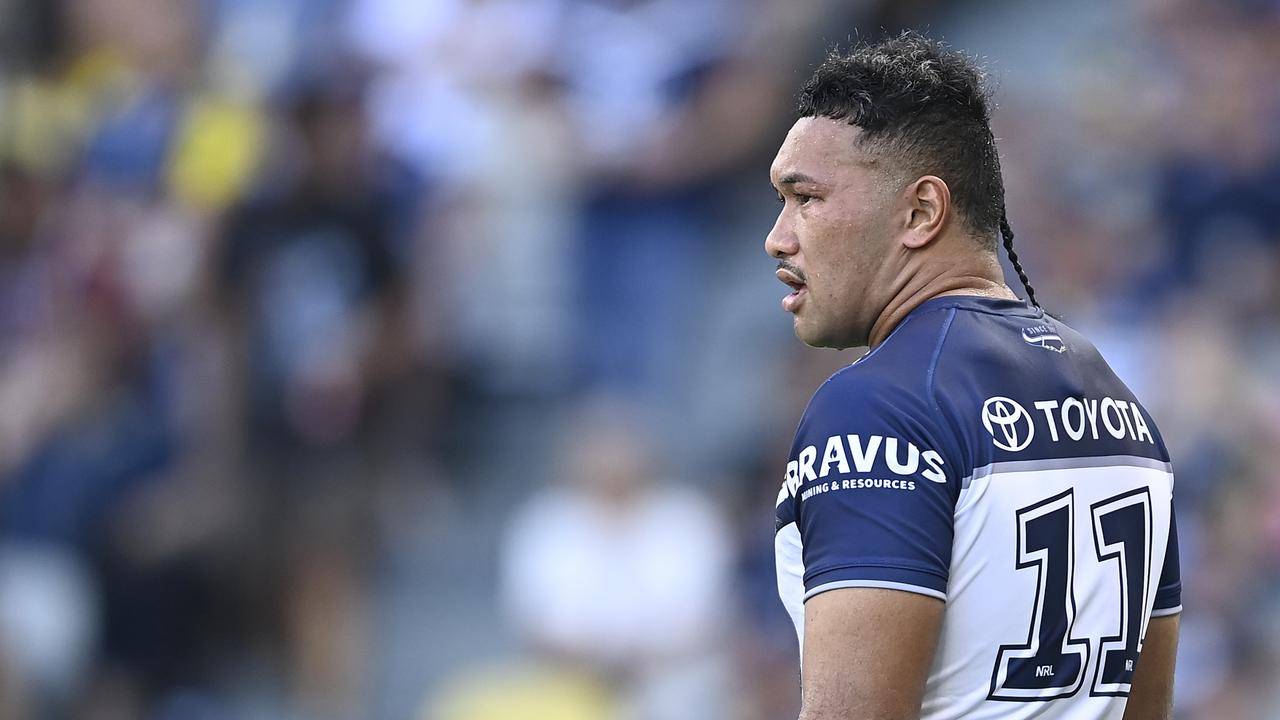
(1008,422)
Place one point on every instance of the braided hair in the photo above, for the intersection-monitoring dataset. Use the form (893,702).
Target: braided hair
(1006,233)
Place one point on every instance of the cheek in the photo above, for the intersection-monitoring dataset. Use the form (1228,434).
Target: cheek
(836,247)
(840,262)
(840,276)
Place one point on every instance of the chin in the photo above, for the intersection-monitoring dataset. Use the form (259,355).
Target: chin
(814,337)
(819,337)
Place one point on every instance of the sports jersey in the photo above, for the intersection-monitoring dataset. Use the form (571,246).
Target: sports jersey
(985,454)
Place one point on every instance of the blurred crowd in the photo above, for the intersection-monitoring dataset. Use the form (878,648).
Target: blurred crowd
(405,359)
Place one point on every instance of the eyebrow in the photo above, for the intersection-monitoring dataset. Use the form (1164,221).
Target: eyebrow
(793,178)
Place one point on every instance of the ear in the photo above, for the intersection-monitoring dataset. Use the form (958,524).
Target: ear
(928,201)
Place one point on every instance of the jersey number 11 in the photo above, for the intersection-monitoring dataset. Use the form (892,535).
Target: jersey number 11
(1053,662)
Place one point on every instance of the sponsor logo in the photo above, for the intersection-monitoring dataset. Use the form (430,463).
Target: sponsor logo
(1043,337)
(1012,428)
(1008,422)
(843,455)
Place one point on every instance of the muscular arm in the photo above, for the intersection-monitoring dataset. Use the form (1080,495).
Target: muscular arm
(867,653)
(1151,695)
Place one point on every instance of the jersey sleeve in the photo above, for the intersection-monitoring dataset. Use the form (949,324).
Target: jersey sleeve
(876,488)
(1169,591)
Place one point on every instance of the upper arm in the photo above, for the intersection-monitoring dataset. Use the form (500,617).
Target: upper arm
(867,653)
(874,495)
(1151,693)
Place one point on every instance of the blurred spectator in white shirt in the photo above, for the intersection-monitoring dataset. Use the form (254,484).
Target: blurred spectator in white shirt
(614,571)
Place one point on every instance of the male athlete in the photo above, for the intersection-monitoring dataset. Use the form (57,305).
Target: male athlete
(976,519)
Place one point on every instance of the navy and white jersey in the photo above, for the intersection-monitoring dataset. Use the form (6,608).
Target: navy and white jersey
(985,454)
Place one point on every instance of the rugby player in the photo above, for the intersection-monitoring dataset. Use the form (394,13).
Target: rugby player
(976,519)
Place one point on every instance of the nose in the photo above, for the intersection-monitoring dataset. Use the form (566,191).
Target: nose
(781,240)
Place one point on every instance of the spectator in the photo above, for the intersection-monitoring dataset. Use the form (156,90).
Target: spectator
(617,571)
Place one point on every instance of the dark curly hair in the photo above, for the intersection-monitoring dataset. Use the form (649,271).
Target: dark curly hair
(926,107)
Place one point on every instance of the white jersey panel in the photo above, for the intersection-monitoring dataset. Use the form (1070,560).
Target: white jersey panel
(1036,545)
(788,557)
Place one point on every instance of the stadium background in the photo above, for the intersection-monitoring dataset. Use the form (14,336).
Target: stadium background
(420,358)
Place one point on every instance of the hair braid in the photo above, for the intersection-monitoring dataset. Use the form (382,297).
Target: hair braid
(1007,233)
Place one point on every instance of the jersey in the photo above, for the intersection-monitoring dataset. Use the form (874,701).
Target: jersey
(985,454)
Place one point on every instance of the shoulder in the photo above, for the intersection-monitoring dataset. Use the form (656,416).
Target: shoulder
(882,422)
(860,394)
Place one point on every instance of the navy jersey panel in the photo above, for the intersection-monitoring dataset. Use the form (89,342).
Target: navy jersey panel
(1023,387)
(1169,594)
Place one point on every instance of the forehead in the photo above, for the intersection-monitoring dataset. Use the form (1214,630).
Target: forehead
(823,149)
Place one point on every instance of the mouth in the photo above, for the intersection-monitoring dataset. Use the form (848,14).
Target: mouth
(793,279)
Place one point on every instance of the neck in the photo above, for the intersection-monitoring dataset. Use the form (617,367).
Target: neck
(983,279)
